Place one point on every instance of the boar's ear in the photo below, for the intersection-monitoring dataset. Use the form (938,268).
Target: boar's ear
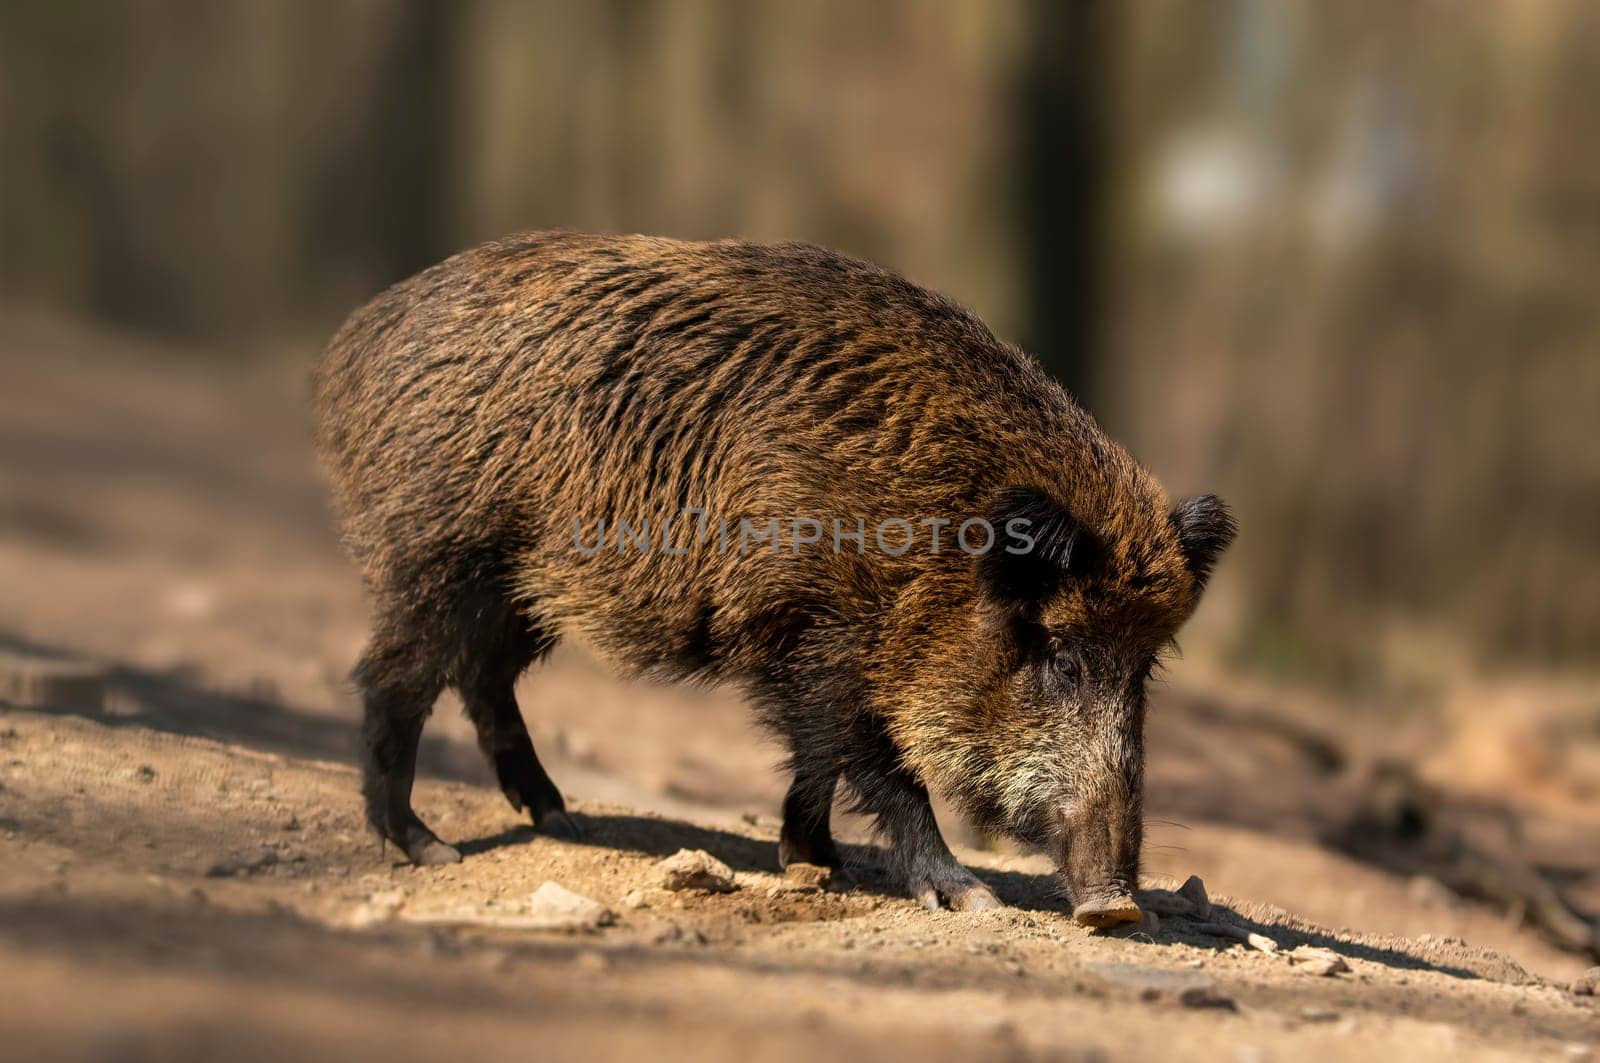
(1205,528)
(1037,544)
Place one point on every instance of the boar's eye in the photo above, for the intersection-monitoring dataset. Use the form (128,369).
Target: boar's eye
(1064,672)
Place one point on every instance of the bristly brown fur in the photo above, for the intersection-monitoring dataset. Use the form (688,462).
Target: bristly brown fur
(470,415)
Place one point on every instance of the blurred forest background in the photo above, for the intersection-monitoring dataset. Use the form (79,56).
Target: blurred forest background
(1338,262)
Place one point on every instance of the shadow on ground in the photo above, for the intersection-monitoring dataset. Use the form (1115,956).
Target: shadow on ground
(176,703)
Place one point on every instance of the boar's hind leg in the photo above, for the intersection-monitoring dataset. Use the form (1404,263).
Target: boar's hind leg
(918,851)
(398,690)
(806,837)
(497,647)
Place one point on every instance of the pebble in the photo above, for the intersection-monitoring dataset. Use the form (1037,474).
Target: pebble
(561,909)
(696,869)
(1319,963)
(635,899)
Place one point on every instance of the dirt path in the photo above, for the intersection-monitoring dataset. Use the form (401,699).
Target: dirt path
(185,873)
(168,894)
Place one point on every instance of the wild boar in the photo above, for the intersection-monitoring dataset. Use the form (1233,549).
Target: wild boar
(775,466)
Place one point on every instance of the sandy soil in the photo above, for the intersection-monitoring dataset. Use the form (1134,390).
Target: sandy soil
(186,872)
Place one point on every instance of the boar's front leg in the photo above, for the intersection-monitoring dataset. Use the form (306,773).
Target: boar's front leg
(918,851)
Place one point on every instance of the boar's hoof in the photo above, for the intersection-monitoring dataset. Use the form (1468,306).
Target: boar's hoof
(965,894)
(977,899)
(1107,911)
(432,852)
(560,825)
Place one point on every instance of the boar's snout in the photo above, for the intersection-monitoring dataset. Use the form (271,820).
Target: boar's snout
(1100,861)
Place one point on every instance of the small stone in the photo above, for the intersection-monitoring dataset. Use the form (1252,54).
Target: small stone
(1316,1014)
(145,773)
(558,908)
(635,899)
(1586,984)
(696,869)
(1319,963)
(1194,891)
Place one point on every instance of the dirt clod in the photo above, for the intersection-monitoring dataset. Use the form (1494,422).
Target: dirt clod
(1587,984)
(696,869)
(807,877)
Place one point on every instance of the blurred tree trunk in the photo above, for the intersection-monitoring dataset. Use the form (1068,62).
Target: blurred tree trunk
(1063,163)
